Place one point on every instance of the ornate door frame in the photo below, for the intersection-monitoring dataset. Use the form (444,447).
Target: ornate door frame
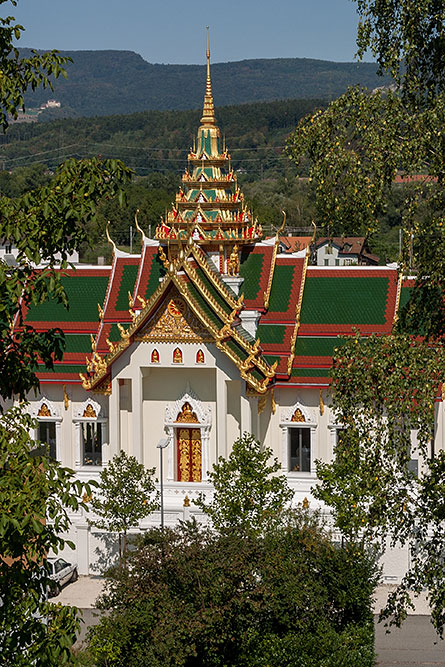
(204,423)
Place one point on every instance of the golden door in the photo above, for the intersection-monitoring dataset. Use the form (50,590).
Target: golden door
(189,454)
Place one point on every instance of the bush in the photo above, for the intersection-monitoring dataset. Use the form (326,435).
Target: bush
(193,597)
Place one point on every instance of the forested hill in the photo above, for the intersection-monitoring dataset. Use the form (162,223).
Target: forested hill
(159,140)
(115,82)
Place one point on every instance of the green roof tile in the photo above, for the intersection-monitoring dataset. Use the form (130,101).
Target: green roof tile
(317,347)
(213,291)
(271,333)
(344,300)
(156,273)
(80,343)
(84,293)
(311,372)
(281,288)
(250,269)
(129,275)
(62,368)
(196,295)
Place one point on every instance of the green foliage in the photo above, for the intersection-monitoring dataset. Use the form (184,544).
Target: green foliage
(45,225)
(408,39)
(36,494)
(249,496)
(384,392)
(127,494)
(191,596)
(385,387)
(17,74)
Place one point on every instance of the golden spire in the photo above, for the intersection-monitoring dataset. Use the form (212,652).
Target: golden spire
(208,114)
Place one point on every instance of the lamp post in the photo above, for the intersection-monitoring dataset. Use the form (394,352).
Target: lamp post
(162,444)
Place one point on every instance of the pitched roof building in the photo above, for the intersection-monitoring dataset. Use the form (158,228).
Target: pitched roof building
(209,332)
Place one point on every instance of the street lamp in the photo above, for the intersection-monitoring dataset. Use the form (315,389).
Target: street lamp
(162,444)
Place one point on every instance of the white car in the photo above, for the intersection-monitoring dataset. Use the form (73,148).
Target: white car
(60,572)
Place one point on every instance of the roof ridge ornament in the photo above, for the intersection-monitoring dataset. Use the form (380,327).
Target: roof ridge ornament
(141,231)
(110,240)
(208,115)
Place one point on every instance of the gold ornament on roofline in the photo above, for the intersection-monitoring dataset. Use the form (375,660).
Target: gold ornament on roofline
(110,240)
(321,403)
(101,312)
(93,343)
(142,301)
(124,332)
(66,401)
(130,300)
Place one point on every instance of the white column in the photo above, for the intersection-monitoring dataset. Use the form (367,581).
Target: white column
(137,415)
(246,415)
(221,415)
(113,422)
(255,418)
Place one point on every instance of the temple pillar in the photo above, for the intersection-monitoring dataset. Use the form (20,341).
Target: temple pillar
(246,414)
(221,412)
(113,420)
(137,414)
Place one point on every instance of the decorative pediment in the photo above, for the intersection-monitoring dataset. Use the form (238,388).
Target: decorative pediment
(174,322)
(88,410)
(187,405)
(298,414)
(45,409)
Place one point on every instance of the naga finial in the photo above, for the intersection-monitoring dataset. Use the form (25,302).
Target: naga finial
(141,231)
(110,240)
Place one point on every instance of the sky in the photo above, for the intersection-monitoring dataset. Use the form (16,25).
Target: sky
(173,31)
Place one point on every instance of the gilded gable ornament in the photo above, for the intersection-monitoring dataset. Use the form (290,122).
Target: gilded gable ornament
(44,411)
(298,416)
(174,322)
(187,416)
(89,412)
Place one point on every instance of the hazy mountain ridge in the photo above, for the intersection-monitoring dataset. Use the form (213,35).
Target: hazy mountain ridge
(120,82)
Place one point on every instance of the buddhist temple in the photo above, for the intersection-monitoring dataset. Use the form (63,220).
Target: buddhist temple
(209,332)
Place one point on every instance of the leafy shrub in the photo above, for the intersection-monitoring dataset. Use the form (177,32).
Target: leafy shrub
(192,597)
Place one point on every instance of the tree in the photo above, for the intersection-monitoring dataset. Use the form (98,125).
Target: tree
(35,496)
(408,39)
(385,388)
(46,225)
(249,496)
(127,494)
(195,596)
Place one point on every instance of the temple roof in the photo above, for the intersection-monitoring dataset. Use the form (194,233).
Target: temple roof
(301,311)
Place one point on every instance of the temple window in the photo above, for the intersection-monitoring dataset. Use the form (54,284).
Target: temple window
(299,449)
(200,357)
(155,357)
(46,434)
(91,443)
(177,356)
(48,427)
(298,424)
(91,435)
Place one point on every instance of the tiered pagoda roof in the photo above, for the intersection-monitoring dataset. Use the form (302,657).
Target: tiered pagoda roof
(209,205)
(301,311)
